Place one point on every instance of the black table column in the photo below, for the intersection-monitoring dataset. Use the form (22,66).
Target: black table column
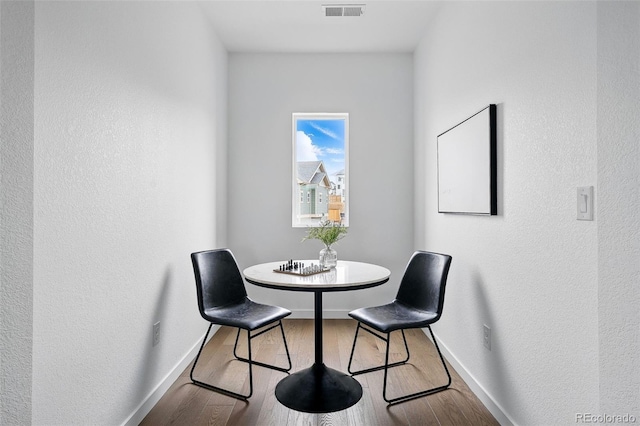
(318,389)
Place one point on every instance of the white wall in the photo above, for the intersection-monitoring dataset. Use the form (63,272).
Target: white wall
(619,206)
(530,273)
(130,128)
(102,206)
(16,211)
(376,90)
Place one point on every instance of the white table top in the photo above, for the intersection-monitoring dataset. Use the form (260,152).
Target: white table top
(347,275)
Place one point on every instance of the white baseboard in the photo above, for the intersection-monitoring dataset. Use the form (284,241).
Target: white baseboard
(494,408)
(154,396)
(326,314)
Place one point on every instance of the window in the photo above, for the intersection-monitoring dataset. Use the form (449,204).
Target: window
(320,168)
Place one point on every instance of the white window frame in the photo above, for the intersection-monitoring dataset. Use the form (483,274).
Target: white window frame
(297,220)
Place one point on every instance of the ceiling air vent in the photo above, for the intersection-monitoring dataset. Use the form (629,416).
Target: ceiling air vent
(343,9)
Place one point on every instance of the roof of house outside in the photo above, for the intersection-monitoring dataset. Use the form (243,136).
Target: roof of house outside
(312,172)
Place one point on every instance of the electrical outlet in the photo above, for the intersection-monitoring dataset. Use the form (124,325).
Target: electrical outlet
(486,336)
(156,333)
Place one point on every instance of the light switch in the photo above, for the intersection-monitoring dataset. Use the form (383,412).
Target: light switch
(585,203)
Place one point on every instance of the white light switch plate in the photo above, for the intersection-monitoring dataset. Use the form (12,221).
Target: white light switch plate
(585,203)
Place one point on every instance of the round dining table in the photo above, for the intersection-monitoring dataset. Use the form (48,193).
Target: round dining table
(318,388)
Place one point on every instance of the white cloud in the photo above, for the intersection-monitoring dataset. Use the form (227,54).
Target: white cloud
(324,130)
(305,149)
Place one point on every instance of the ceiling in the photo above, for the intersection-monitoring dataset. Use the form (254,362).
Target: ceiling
(295,26)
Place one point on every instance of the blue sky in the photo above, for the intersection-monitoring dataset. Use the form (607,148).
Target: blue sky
(321,140)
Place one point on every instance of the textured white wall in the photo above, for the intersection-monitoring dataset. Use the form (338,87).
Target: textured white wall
(529,273)
(377,91)
(16,211)
(130,125)
(619,206)
(130,116)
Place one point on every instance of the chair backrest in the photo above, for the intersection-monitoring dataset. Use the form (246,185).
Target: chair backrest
(424,280)
(218,279)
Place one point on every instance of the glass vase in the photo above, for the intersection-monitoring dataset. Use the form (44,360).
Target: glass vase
(328,257)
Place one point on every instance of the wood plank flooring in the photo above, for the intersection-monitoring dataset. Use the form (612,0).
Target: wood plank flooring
(188,404)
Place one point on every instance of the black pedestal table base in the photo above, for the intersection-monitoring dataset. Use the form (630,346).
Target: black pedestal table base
(318,389)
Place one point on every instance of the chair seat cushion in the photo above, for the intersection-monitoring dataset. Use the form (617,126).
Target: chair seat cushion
(246,314)
(393,316)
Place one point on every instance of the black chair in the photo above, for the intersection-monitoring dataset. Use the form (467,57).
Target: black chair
(418,304)
(222,299)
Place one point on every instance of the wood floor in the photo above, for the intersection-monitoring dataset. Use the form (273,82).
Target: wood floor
(188,404)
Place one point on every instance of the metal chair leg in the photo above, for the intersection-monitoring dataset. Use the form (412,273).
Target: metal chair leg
(420,394)
(380,367)
(216,388)
(386,366)
(273,367)
(247,360)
